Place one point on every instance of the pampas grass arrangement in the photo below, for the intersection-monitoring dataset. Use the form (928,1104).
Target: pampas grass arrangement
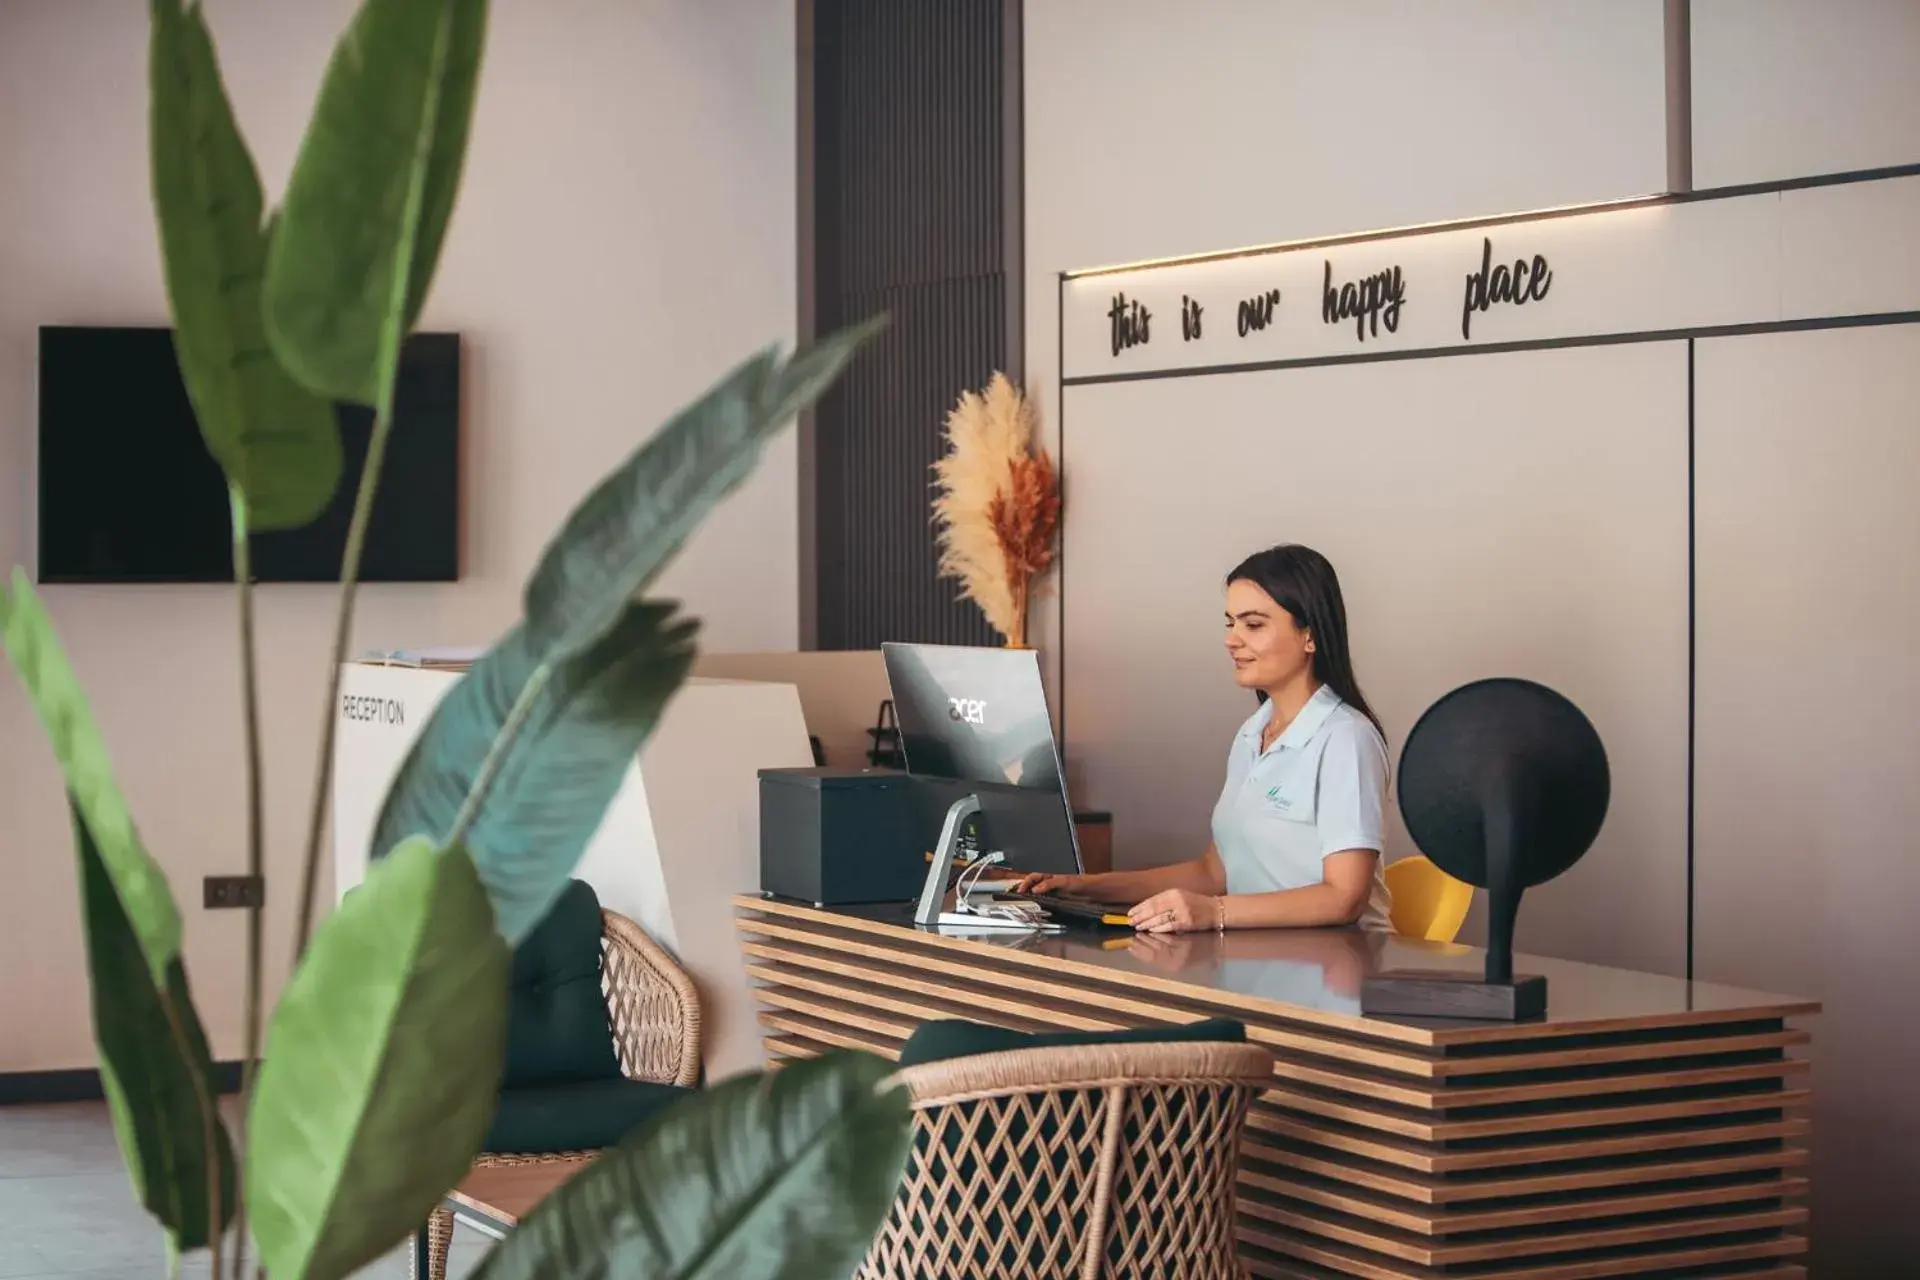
(997,505)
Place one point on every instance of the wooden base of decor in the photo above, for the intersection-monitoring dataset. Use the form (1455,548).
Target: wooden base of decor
(1425,993)
(1094,831)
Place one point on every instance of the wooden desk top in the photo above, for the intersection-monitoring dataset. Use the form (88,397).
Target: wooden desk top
(1314,975)
(507,1193)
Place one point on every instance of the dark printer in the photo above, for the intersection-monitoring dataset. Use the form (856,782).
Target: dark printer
(833,836)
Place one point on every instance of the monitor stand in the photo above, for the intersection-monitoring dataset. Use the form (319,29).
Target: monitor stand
(944,855)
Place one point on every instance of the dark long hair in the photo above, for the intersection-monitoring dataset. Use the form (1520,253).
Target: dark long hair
(1303,582)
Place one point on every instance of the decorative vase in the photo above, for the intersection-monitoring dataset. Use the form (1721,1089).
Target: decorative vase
(1017,639)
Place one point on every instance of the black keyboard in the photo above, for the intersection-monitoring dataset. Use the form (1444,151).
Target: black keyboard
(1110,915)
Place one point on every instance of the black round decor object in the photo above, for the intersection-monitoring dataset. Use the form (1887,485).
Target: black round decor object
(1503,784)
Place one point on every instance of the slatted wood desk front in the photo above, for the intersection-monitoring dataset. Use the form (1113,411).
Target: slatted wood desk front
(1648,1127)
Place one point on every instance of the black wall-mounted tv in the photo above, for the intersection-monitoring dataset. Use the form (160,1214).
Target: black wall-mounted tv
(129,493)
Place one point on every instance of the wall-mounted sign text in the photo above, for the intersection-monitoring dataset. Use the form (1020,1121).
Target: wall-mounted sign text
(1130,323)
(1519,284)
(370,710)
(1372,302)
(1256,313)
(1367,301)
(1564,276)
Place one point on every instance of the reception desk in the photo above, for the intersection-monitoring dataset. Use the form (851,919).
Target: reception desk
(1646,1127)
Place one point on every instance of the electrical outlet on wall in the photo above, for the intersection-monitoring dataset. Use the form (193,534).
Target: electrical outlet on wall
(234,891)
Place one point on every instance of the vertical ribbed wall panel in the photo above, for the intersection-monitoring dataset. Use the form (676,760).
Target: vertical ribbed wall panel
(909,220)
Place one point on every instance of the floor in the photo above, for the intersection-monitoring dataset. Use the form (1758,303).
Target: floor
(67,1209)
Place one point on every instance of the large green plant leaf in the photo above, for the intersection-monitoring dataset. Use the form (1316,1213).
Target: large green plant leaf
(554,778)
(779,1177)
(382,1067)
(530,747)
(154,1068)
(278,443)
(372,191)
(31,643)
(633,522)
(153,1054)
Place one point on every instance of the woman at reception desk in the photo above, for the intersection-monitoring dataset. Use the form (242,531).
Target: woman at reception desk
(1644,1125)
(1298,830)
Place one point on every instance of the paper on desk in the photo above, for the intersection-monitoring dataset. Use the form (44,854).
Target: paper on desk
(432,656)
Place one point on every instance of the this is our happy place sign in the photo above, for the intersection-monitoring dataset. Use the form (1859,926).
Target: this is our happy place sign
(1704,264)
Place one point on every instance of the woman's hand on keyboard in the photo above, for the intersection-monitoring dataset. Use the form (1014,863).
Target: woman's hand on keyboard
(1041,882)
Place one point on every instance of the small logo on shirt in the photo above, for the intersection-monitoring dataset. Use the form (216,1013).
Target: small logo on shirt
(1278,801)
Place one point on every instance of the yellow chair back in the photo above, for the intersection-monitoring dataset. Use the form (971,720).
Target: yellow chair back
(1427,902)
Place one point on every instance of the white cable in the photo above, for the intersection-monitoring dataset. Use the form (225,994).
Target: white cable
(1022,913)
(977,868)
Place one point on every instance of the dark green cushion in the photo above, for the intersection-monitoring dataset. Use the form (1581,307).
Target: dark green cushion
(584,1116)
(953,1038)
(557,1028)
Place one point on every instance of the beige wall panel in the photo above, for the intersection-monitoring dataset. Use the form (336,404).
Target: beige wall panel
(1520,514)
(1787,88)
(1808,733)
(840,693)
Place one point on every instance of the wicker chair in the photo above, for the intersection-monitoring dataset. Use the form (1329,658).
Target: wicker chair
(655,1013)
(1105,1162)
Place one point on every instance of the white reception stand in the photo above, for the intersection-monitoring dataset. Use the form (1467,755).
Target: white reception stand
(680,839)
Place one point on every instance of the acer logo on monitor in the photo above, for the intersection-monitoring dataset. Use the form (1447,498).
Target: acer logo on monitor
(967,710)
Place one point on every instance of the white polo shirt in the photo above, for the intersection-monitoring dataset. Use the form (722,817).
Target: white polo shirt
(1320,789)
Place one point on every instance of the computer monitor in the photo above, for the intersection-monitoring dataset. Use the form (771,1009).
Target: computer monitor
(977,719)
